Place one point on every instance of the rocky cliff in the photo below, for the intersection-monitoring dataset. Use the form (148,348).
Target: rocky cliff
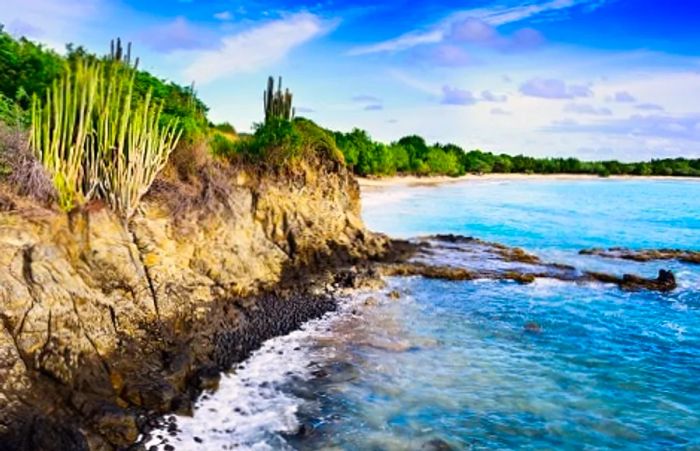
(105,325)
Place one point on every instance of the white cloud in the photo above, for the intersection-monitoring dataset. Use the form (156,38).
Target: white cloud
(552,88)
(415,83)
(49,21)
(488,96)
(256,48)
(178,34)
(403,42)
(583,108)
(493,17)
(223,15)
(622,97)
(500,112)
(456,96)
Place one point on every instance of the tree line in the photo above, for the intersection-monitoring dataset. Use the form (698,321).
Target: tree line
(412,155)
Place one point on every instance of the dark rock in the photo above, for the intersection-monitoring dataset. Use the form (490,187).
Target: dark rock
(45,434)
(645,255)
(436,444)
(532,326)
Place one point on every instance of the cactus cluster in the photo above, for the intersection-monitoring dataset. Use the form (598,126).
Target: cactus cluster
(277,104)
(98,141)
(116,53)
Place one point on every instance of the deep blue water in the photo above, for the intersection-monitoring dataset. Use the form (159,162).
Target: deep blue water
(452,362)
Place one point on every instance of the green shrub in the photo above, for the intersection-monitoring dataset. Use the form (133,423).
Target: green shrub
(317,142)
(11,113)
(222,146)
(225,127)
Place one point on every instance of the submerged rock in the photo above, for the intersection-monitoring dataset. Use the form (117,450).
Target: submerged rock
(664,282)
(436,444)
(645,255)
(533,268)
(394,294)
(532,326)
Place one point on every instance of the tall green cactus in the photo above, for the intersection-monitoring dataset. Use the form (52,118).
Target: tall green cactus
(116,53)
(96,140)
(277,104)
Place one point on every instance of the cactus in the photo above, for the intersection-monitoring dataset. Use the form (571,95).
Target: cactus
(116,53)
(96,140)
(277,104)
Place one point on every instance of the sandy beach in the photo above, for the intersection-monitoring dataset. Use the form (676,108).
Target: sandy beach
(411,180)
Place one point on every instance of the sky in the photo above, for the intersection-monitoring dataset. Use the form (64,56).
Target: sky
(595,79)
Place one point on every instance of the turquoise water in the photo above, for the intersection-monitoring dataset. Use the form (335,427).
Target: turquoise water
(608,369)
(451,364)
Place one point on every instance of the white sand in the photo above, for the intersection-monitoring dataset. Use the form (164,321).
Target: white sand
(411,180)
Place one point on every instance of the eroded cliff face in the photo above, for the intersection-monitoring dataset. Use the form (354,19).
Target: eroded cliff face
(103,322)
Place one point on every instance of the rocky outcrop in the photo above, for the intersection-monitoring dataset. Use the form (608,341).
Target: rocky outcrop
(646,255)
(104,324)
(459,258)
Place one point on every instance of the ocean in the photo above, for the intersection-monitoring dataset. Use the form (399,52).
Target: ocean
(459,365)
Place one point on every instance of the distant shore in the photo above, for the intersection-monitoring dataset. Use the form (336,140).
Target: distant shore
(412,180)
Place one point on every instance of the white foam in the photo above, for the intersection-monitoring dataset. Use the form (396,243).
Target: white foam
(250,410)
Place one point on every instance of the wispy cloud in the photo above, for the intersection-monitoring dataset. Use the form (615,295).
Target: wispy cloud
(478,32)
(448,55)
(456,96)
(403,42)
(257,48)
(554,89)
(583,108)
(649,107)
(622,97)
(223,15)
(479,23)
(51,22)
(364,98)
(416,83)
(178,34)
(488,96)
(374,107)
(500,112)
(684,127)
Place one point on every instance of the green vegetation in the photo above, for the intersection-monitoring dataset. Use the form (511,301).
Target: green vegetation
(28,69)
(412,155)
(281,140)
(97,140)
(283,143)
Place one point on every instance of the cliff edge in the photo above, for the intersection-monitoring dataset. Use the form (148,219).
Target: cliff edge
(105,325)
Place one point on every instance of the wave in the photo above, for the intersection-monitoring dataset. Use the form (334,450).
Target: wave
(251,409)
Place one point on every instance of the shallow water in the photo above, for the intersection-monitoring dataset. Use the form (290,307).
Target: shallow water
(489,364)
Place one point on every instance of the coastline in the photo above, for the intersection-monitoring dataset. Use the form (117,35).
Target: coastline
(412,180)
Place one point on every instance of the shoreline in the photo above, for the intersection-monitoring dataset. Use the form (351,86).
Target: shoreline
(412,180)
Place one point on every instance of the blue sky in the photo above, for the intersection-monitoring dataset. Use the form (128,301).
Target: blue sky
(592,78)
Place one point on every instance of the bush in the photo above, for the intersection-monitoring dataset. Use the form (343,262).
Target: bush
(276,141)
(20,169)
(317,142)
(222,145)
(11,113)
(225,127)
